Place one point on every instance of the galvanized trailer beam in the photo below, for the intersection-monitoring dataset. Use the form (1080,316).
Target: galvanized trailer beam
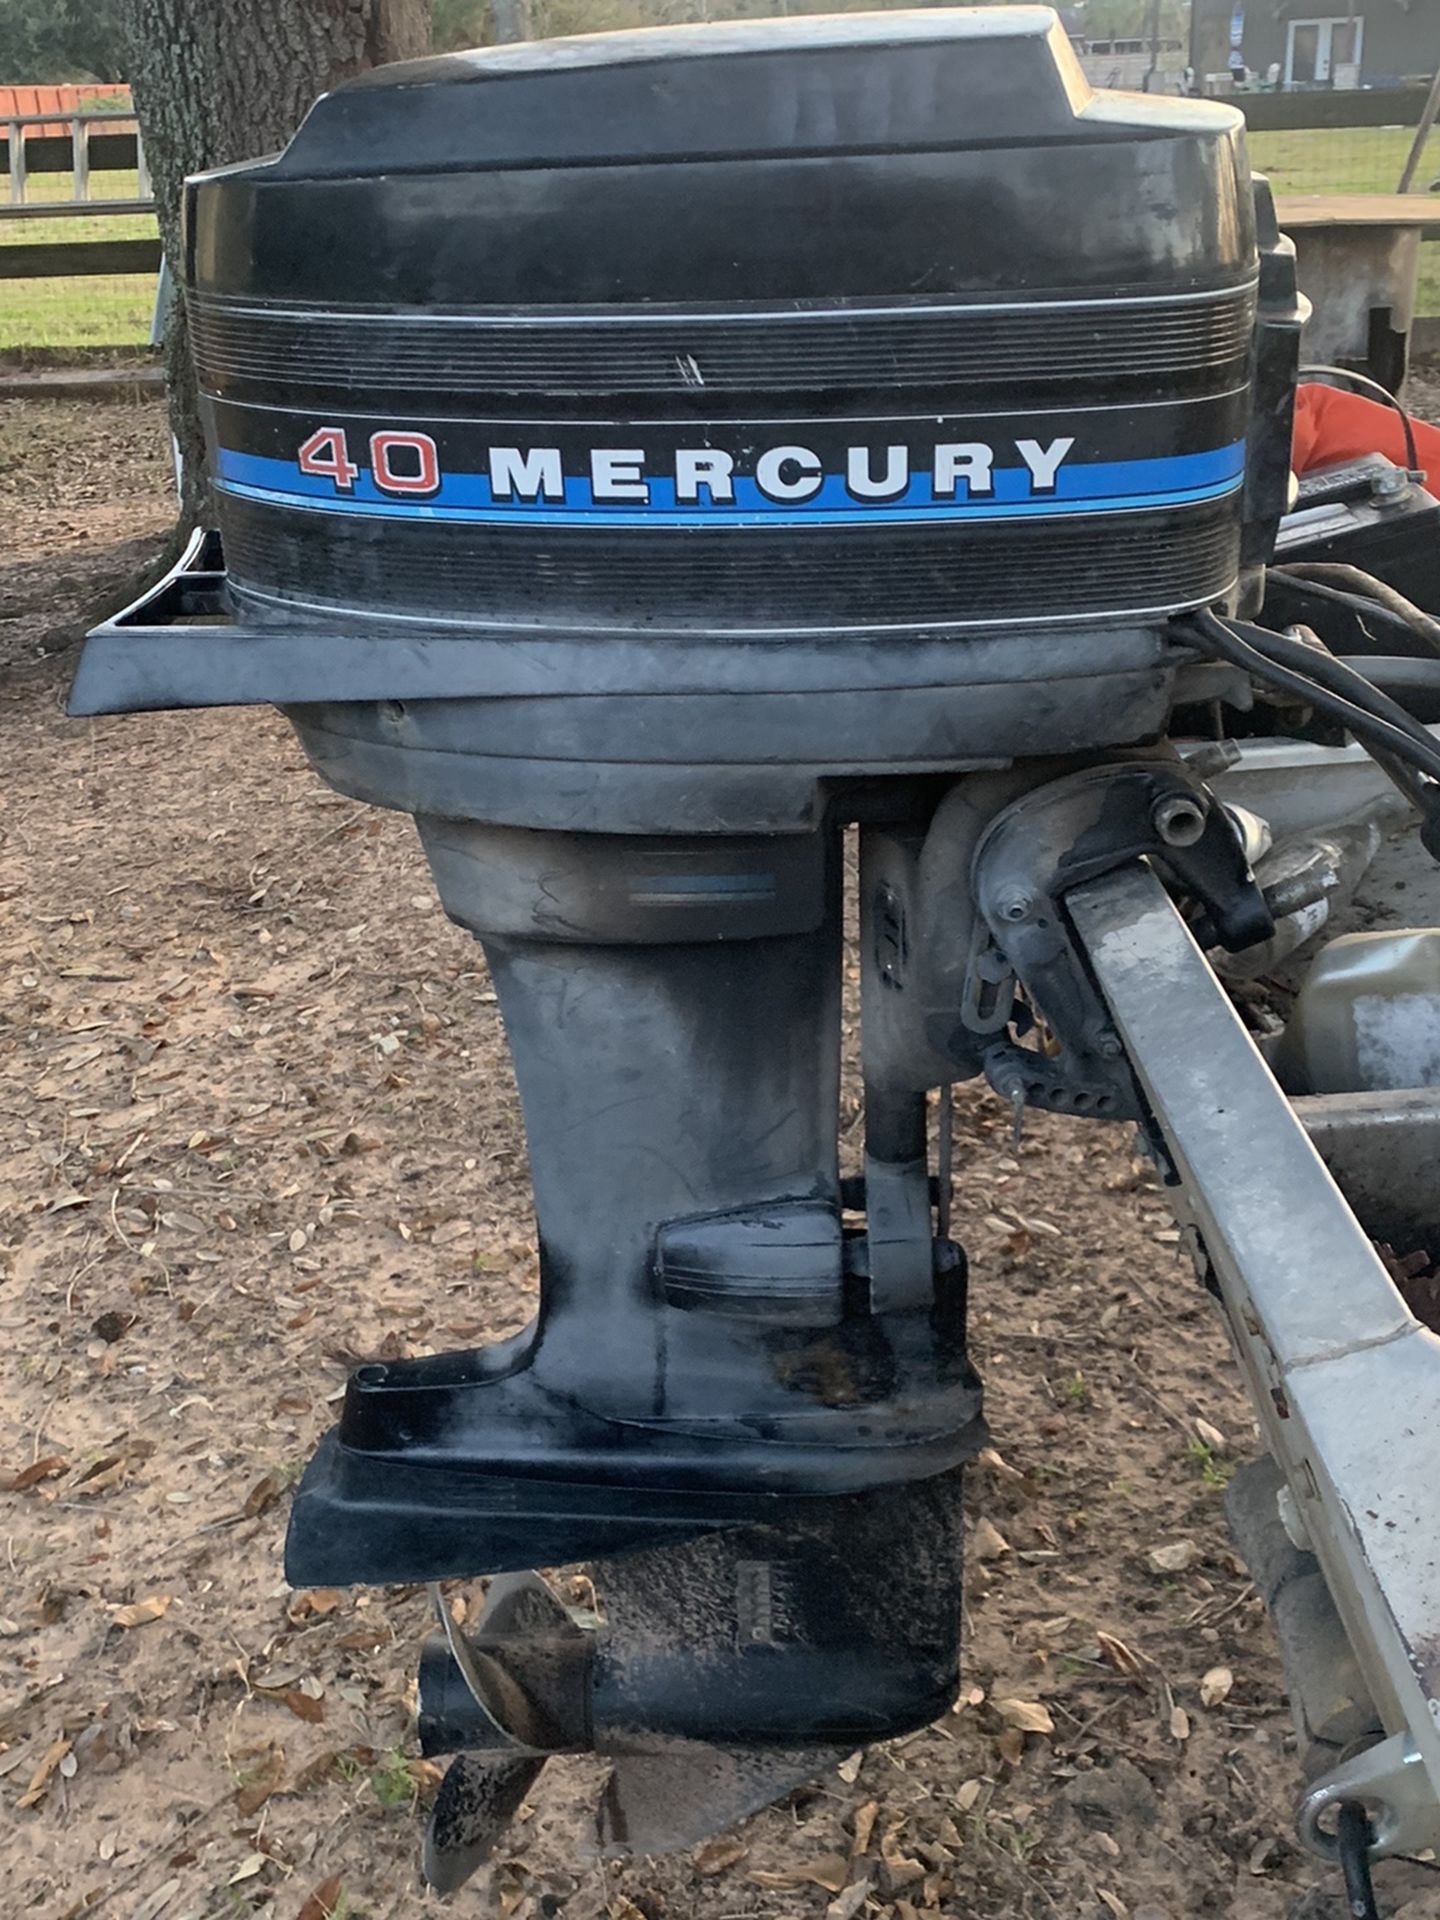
(1346,1382)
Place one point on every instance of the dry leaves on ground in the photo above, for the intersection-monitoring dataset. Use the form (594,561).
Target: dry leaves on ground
(140,1612)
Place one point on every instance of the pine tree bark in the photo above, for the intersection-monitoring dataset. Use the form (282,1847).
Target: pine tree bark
(217,81)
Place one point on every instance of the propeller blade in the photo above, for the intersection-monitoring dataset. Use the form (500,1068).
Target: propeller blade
(665,1802)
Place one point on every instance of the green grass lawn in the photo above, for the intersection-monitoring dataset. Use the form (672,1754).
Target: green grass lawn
(115,311)
(101,310)
(1339,159)
(1351,160)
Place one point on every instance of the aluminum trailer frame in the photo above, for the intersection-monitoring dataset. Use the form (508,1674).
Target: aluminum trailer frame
(1345,1380)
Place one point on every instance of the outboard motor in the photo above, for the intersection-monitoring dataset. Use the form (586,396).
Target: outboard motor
(644,458)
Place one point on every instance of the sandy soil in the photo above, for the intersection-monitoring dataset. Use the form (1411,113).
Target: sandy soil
(258,1122)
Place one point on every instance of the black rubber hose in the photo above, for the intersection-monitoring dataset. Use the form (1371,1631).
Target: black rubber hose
(1356,1839)
(1406,754)
(1394,749)
(1324,669)
(1364,595)
(1413,680)
(1319,664)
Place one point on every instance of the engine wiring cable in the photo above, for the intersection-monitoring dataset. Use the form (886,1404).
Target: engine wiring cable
(1364,384)
(1402,746)
(1356,1837)
(1406,677)
(1318,677)
(1361,593)
(1315,661)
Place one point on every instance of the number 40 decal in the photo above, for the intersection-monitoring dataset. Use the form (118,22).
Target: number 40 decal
(399,462)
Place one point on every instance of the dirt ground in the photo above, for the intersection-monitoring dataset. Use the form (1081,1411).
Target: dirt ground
(259,1122)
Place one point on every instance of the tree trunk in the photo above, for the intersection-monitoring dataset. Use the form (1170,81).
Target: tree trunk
(510,20)
(222,80)
(1209,37)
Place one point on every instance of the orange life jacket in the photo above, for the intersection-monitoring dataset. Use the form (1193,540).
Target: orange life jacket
(1331,426)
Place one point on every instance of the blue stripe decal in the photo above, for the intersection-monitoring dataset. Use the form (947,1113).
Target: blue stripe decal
(1095,486)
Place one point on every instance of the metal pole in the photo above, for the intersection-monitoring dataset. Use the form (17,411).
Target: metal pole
(945,1158)
(15,147)
(1422,134)
(80,156)
(1153,74)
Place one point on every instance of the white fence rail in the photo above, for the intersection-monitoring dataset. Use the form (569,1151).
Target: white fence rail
(19,128)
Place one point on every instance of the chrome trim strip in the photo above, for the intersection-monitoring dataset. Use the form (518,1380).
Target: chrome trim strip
(661,316)
(471,623)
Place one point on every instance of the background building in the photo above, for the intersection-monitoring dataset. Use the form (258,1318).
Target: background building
(1369,43)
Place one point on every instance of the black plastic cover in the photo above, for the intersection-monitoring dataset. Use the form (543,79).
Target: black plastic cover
(789,327)
(638,433)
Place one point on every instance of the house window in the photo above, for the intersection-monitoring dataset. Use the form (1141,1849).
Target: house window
(1315,48)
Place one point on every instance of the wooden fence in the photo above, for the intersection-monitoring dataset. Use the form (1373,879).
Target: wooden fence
(90,143)
(50,140)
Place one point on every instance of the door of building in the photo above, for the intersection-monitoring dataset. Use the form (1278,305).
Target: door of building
(1315,48)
